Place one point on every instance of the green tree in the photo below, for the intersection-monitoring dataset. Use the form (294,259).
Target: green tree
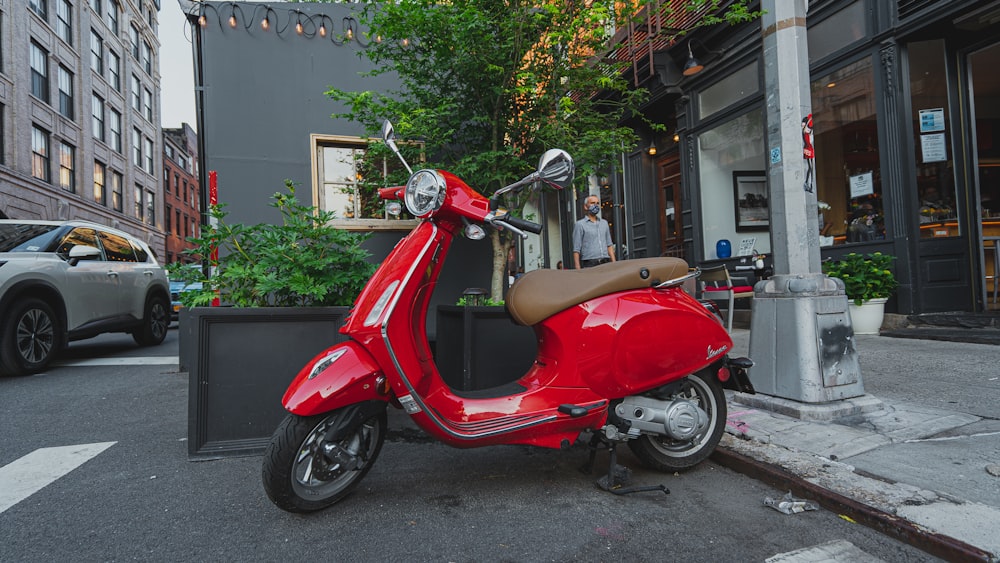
(488,85)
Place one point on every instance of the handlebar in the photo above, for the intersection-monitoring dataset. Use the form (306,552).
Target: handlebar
(395,192)
(523,224)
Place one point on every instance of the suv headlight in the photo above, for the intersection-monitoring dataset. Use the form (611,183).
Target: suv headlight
(425,192)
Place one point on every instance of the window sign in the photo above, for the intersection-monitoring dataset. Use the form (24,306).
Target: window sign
(932,147)
(931,120)
(861,185)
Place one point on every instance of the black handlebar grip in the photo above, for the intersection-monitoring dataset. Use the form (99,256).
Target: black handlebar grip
(524,224)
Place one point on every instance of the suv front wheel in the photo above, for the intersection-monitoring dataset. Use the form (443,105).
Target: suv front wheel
(154,323)
(29,337)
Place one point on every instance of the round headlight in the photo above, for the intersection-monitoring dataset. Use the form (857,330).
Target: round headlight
(424,192)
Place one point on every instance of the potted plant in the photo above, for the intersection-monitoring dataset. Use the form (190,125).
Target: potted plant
(868,283)
(285,290)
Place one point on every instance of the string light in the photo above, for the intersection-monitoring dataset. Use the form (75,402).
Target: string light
(305,24)
(298,28)
(265,23)
(232,21)
(322,30)
(202,21)
(349,34)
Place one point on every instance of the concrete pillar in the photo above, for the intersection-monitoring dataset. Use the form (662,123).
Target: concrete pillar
(801,339)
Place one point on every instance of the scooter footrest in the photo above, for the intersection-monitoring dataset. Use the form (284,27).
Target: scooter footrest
(575,411)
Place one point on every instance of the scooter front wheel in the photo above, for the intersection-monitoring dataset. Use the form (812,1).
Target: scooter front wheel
(313,462)
(665,454)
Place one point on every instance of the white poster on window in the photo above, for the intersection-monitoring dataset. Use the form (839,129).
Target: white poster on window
(932,147)
(746,246)
(861,185)
(931,120)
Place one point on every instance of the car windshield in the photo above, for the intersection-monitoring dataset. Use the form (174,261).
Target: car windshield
(15,237)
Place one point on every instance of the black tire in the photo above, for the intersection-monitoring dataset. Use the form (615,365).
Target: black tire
(665,454)
(313,462)
(155,320)
(31,336)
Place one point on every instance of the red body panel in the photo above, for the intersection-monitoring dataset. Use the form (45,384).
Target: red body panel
(603,349)
(348,379)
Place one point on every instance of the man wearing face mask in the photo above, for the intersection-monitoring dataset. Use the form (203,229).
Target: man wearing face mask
(592,237)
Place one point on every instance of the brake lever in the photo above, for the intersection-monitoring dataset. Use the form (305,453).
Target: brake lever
(508,226)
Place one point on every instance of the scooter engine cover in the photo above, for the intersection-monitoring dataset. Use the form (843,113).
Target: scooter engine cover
(679,419)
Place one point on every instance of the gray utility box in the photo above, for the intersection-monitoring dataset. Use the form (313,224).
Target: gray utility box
(802,341)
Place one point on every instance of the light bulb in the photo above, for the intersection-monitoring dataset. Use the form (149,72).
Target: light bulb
(349,34)
(298,28)
(202,20)
(265,24)
(232,22)
(322,30)
(406,42)
(378,38)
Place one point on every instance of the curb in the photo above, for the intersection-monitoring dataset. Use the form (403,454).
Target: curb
(938,545)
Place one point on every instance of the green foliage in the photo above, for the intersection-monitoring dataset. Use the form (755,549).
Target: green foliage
(865,277)
(488,85)
(486,302)
(301,262)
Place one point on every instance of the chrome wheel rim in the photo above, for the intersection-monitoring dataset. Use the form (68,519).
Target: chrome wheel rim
(698,392)
(324,467)
(35,336)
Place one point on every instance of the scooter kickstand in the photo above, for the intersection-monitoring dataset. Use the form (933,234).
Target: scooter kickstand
(588,467)
(618,476)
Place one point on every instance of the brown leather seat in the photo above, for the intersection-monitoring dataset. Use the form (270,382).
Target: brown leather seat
(539,294)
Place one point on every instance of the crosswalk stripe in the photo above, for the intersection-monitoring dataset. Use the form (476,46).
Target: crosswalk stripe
(134,361)
(26,476)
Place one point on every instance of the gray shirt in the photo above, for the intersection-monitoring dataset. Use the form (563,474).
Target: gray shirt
(591,239)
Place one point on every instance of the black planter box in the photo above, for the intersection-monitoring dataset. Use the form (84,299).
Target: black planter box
(481,347)
(239,363)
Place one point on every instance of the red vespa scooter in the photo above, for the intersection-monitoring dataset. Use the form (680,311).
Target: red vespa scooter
(624,354)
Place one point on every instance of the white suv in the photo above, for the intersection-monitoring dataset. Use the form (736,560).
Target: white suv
(68,280)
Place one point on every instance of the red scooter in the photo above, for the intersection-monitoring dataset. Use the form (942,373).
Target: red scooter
(625,355)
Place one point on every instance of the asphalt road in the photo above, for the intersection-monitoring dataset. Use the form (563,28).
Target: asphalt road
(142,500)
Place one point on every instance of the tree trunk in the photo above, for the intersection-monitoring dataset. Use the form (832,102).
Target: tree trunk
(501,248)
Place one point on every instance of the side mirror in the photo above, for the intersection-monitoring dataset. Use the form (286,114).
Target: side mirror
(556,169)
(83,252)
(388,133)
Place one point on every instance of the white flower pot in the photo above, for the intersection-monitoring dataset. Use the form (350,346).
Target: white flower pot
(867,318)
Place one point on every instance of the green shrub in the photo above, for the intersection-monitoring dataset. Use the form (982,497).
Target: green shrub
(865,277)
(301,262)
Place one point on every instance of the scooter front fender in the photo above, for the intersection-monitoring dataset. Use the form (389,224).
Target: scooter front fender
(339,376)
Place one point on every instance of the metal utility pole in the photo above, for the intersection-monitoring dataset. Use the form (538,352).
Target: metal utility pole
(801,338)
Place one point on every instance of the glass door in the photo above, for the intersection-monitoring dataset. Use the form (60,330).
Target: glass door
(984,83)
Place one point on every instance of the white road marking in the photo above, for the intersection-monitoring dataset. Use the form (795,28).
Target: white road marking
(135,361)
(26,476)
(837,551)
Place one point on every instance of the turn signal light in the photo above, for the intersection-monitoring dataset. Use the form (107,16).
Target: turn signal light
(723,374)
(381,385)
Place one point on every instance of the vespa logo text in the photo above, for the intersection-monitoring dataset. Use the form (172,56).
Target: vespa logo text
(713,353)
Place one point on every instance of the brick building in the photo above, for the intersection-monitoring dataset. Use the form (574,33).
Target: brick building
(181,199)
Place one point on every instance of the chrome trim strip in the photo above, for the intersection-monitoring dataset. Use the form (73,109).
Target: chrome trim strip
(677,281)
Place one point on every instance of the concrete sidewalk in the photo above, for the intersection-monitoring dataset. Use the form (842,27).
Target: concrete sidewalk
(918,456)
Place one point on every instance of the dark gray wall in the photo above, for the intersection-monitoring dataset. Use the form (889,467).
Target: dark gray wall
(261,99)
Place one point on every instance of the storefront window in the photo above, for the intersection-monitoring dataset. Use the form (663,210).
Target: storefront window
(848,179)
(733,179)
(935,178)
(837,31)
(736,86)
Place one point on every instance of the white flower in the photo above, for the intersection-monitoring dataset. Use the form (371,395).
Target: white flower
(822,205)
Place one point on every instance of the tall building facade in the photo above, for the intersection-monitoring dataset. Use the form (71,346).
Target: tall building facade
(80,113)
(181,199)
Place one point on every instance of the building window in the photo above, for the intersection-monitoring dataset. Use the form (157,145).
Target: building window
(728,154)
(39,59)
(177,184)
(115,126)
(837,31)
(185,192)
(166,178)
(95,5)
(147,149)
(40,7)
(134,36)
(177,213)
(117,181)
(848,178)
(64,21)
(935,186)
(67,167)
(138,202)
(150,208)
(341,166)
(115,70)
(167,218)
(65,92)
(40,154)
(96,53)
(147,104)
(136,93)
(97,122)
(112,16)
(147,58)
(736,86)
(137,147)
(100,195)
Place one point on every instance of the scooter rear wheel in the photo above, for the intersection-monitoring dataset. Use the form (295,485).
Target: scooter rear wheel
(665,454)
(313,462)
